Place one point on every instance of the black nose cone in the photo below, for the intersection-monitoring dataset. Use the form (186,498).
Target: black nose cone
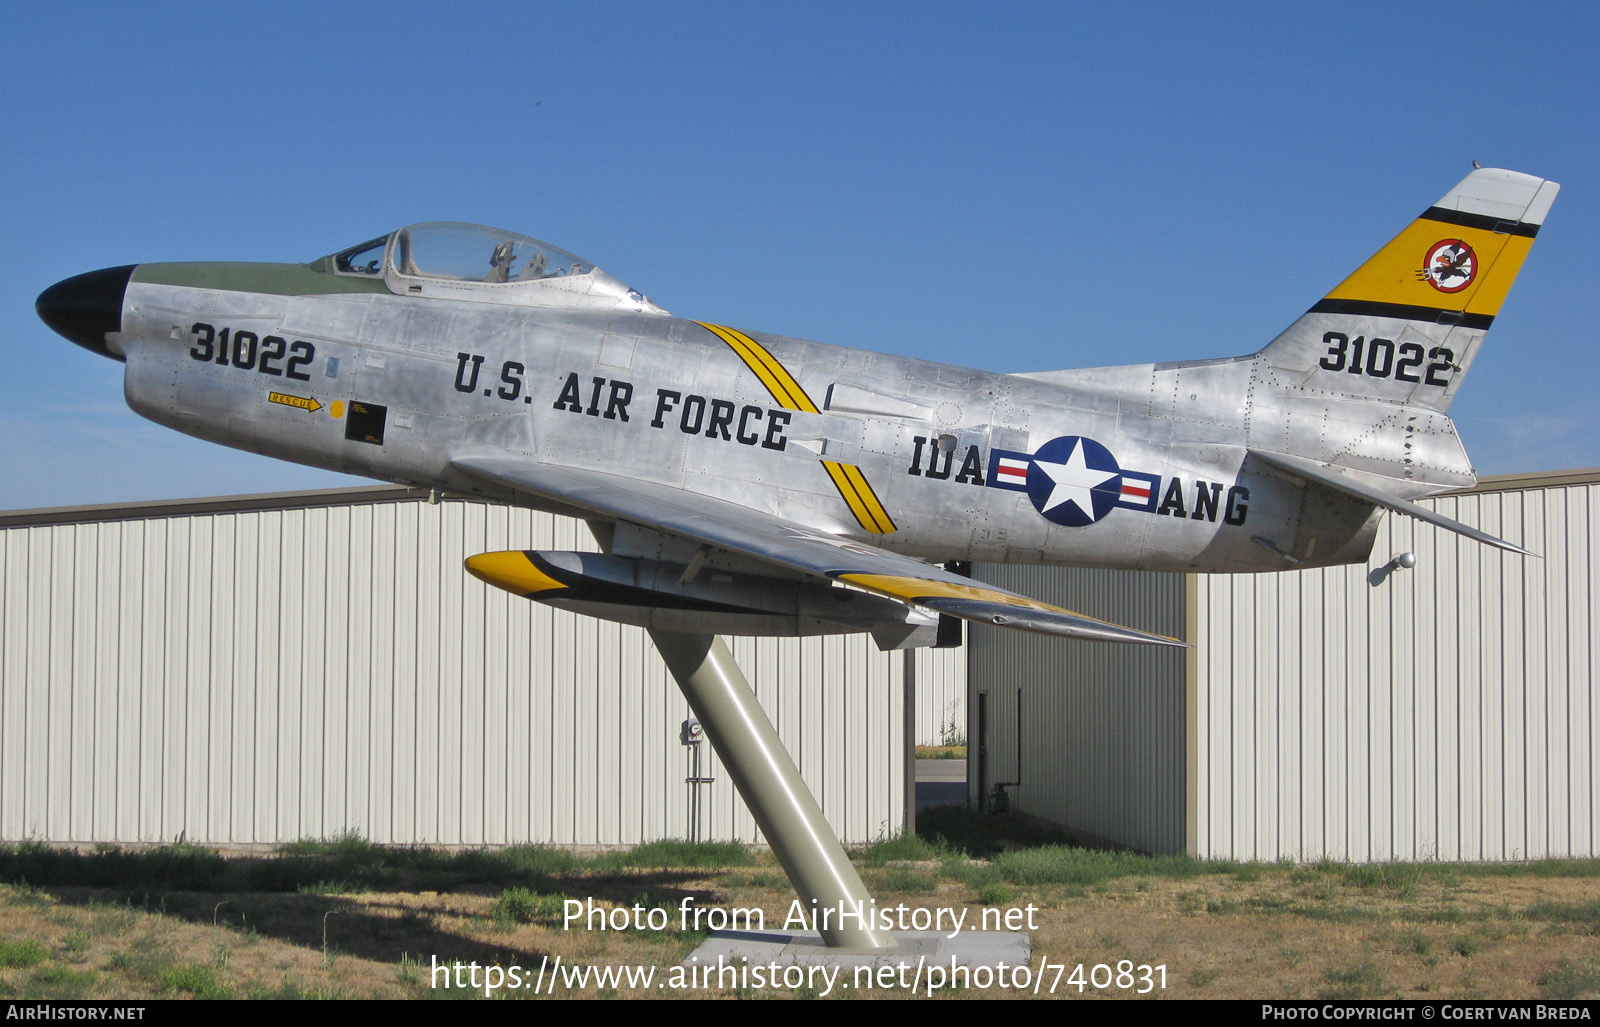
(84,308)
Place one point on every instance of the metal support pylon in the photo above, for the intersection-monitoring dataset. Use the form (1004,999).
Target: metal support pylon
(771,786)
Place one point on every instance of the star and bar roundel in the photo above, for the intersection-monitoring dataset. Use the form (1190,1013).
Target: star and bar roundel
(1073,480)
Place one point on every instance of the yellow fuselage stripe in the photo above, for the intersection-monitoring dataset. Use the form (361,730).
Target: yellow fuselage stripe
(788,392)
(881,523)
(791,395)
(863,502)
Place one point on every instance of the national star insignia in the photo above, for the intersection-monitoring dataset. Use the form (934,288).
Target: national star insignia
(1074,481)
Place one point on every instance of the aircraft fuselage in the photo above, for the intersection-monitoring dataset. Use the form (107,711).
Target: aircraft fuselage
(820,483)
(929,460)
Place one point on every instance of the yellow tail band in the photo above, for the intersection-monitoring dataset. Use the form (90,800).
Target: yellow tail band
(1440,265)
(1455,263)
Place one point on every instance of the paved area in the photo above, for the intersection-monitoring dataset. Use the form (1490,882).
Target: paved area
(941,783)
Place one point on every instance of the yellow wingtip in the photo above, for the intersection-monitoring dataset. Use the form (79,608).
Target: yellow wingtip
(512,571)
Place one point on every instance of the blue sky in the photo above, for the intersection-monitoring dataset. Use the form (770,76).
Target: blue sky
(1011,187)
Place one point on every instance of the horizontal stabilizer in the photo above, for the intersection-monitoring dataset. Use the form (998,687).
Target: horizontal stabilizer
(1342,481)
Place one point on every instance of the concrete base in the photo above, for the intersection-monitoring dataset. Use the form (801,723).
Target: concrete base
(806,948)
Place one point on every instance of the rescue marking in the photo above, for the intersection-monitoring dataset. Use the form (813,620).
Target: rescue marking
(302,402)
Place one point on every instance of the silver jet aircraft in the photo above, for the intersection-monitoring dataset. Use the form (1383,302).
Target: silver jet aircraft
(745,483)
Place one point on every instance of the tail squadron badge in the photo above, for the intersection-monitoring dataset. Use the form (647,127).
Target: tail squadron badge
(1449,266)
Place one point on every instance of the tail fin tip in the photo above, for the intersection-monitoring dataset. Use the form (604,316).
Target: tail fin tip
(1506,196)
(1405,325)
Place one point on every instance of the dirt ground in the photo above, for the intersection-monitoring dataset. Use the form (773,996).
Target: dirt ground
(1250,932)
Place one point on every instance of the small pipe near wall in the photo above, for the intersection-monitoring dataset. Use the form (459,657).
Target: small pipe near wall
(771,786)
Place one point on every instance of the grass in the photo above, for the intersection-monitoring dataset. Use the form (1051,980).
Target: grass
(523,906)
(163,868)
(253,926)
(1582,916)
(676,855)
(908,880)
(1570,980)
(61,982)
(340,865)
(410,970)
(902,848)
(1065,864)
(994,895)
(1419,943)
(941,752)
(534,859)
(1402,879)
(1361,981)
(199,981)
(23,953)
(1534,868)
(346,844)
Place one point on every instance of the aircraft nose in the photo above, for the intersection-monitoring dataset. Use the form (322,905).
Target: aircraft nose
(85,307)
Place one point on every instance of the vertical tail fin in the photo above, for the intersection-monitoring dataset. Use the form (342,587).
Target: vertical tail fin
(1407,324)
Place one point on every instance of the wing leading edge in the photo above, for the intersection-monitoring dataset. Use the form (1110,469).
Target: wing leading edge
(771,539)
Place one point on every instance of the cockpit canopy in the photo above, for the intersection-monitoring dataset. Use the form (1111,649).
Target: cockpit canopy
(459,261)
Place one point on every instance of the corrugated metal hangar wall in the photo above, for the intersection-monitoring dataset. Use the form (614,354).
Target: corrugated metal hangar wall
(272,668)
(1446,712)
(1090,734)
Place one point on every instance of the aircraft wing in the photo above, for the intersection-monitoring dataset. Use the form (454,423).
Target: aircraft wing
(771,539)
(1338,479)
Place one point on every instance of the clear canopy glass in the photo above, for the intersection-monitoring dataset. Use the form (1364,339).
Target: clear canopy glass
(472,253)
(366,259)
(449,259)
